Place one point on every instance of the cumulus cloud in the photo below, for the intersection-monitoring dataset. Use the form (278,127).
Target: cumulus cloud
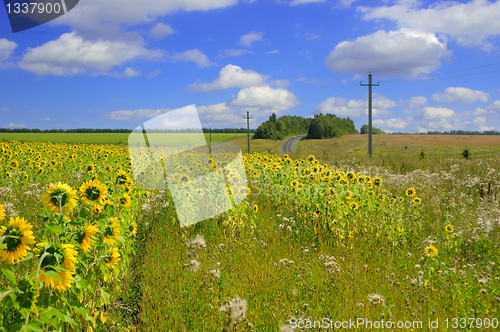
(492,109)
(388,53)
(416,102)
(195,56)
(355,108)
(470,23)
(233,52)
(7,47)
(139,114)
(388,124)
(160,31)
(264,97)
(130,72)
(437,112)
(15,125)
(461,95)
(251,37)
(71,54)
(485,128)
(231,76)
(479,120)
(90,14)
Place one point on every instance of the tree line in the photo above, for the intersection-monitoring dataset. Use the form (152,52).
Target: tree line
(114,131)
(278,129)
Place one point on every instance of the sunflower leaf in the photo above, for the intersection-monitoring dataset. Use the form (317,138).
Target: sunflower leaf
(3,246)
(52,275)
(9,273)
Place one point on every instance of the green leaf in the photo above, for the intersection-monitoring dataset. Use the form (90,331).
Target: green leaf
(52,274)
(34,326)
(3,246)
(105,296)
(9,273)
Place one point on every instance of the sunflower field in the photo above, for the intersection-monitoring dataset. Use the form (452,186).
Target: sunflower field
(84,247)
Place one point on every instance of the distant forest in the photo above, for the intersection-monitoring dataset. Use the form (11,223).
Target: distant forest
(278,129)
(329,125)
(375,131)
(92,130)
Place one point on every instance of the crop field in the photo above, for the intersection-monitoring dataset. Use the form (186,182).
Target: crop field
(318,241)
(102,138)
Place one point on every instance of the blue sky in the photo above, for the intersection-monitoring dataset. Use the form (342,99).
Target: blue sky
(117,64)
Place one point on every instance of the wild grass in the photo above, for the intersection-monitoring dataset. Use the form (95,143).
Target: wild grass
(461,281)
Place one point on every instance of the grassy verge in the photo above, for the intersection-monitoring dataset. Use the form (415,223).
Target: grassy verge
(376,279)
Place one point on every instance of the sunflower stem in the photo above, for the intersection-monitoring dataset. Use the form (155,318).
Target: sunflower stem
(45,254)
(4,294)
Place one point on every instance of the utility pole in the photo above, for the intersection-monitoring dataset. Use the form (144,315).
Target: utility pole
(210,140)
(248,130)
(369,85)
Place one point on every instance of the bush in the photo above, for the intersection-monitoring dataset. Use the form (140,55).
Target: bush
(466,153)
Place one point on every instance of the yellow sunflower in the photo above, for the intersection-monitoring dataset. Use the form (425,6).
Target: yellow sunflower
(417,200)
(125,200)
(111,231)
(59,197)
(17,235)
(93,192)
(431,251)
(133,228)
(85,236)
(449,228)
(255,208)
(2,212)
(112,257)
(121,178)
(377,182)
(410,192)
(56,254)
(354,206)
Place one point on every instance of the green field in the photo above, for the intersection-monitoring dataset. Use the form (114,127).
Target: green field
(95,138)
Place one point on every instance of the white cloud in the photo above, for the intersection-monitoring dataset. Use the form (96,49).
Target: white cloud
(479,120)
(273,52)
(154,73)
(71,54)
(160,31)
(300,2)
(485,128)
(355,108)
(416,102)
(492,109)
(437,112)
(130,72)
(7,47)
(280,84)
(98,16)
(264,97)
(470,23)
(220,115)
(251,37)
(195,56)
(14,125)
(391,123)
(233,52)
(346,3)
(139,114)
(461,95)
(388,53)
(231,76)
